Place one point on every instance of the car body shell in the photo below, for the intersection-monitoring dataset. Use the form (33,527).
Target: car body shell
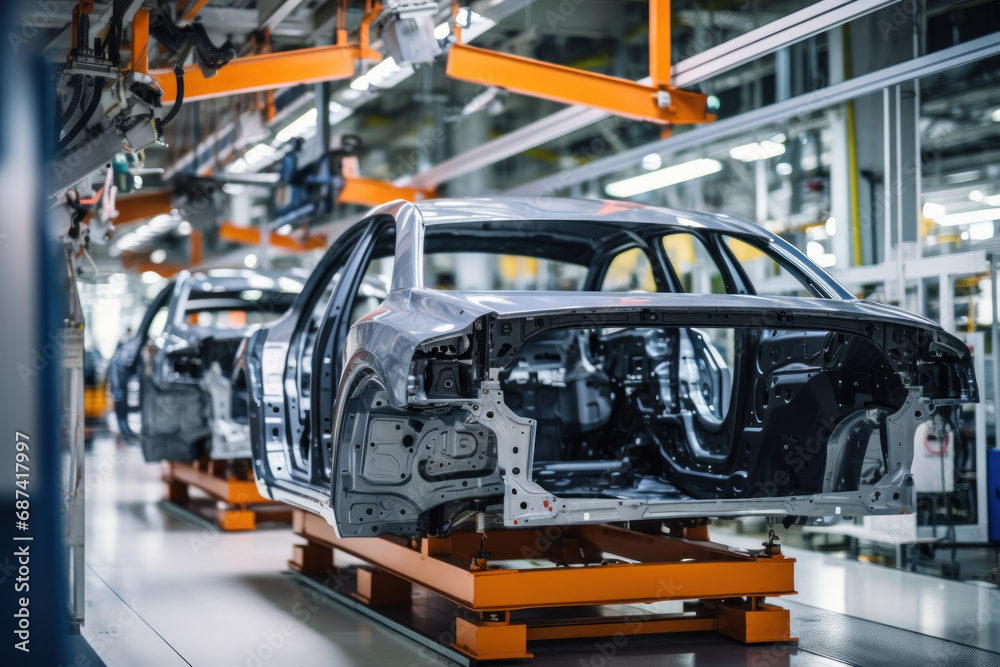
(177,392)
(337,443)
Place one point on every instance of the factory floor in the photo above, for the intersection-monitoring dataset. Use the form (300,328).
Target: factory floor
(163,589)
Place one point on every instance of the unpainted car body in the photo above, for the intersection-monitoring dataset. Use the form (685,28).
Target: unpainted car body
(175,386)
(522,409)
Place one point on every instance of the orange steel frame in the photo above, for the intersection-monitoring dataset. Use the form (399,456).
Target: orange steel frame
(730,587)
(371,192)
(260,72)
(251,236)
(659,103)
(209,477)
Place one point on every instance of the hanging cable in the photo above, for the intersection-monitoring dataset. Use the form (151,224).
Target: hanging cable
(88,113)
(74,103)
(179,77)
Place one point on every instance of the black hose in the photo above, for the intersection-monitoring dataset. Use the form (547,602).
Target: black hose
(179,76)
(84,118)
(62,117)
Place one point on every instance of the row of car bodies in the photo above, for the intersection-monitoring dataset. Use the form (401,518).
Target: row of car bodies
(391,398)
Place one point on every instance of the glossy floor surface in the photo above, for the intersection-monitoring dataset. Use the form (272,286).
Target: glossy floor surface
(165,590)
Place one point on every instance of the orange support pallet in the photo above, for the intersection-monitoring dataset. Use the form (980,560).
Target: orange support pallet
(237,490)
(557,570)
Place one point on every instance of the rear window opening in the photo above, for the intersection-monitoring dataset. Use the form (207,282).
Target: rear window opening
(675,413)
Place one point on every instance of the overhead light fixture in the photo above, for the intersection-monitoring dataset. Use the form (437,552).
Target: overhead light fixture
(783,169)
(661,178)
(831,226)
(158,256)
(968,217)
(931,210)
(250,261)
(758,150)
(300,127)
(184,228)
(480,101)
(963,177)
(981,231)
(472,25)
(150,277)
(976,195)
(652,161)
(284,229)
(380,76)
(995,116)
(258,156)
(260,153)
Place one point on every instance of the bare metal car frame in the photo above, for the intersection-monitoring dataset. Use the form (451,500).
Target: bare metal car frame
(353,420)
(179,384)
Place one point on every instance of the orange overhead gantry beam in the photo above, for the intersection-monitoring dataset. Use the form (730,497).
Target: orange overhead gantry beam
(132,208)
(263,71)
(659,102)
(251,236)
(142,206)
(371,192)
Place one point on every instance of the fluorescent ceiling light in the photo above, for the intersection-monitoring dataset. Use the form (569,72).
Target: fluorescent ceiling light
(652,161)
(480,101)
(382,72)
(470,28)
(150,277)
(301,126)
(758,150)
(981,231)
(976,195)
(662,178)
(158,256)
(382,75)
(967,217)
(932,210)
(250,261)
(260,153)
(995,116)
(258,156)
